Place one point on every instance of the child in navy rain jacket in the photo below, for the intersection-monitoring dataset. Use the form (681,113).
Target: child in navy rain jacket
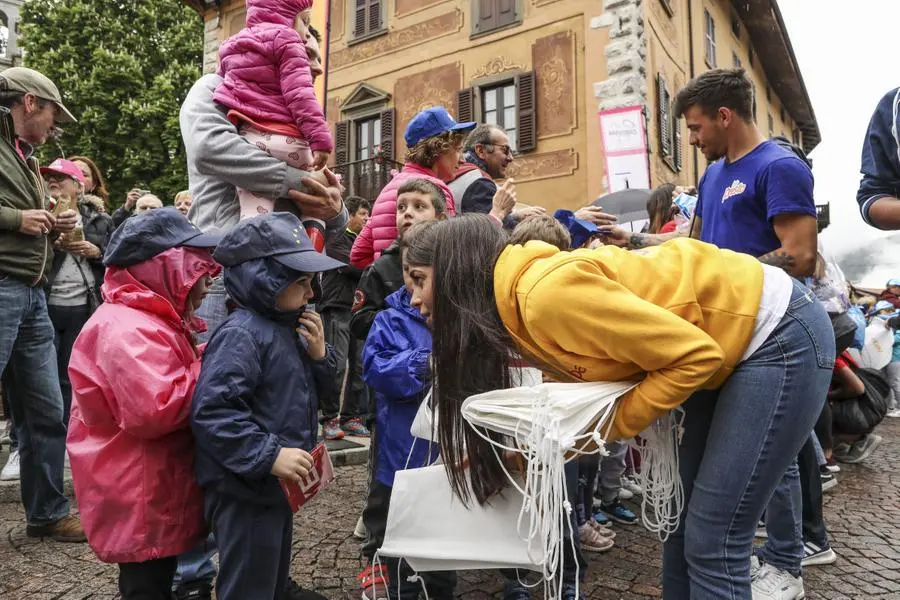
(254,409)
(396,366)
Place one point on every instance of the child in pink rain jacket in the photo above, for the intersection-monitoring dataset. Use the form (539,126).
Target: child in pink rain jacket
(133,372)
(268,87)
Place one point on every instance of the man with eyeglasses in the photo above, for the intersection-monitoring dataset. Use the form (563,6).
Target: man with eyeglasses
(30,108)
(486,156)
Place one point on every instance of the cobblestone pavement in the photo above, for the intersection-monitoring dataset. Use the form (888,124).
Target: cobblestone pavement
(863,513)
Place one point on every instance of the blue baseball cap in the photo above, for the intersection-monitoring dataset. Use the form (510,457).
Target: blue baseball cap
(579,229)
(143,236)
(279,235)
(892,282)
(431,122)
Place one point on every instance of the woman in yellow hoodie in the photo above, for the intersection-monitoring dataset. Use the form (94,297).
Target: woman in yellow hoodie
(744,348)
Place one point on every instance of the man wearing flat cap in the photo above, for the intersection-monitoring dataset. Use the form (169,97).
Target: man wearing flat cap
(30,108)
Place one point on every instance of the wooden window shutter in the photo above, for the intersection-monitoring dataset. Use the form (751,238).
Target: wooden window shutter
(387,134)
(374,16)
(662,109)
(678,153)
(465,105)
(487,15)
(359,27)
(526,113)
(506,12)
(341,147)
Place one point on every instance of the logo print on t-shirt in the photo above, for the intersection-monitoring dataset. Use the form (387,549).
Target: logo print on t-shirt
(736,188)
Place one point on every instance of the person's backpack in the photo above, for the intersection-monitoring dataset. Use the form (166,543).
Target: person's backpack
(860,415)
(787,145)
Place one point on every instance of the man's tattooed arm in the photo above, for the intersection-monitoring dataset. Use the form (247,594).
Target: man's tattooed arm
(645,240)
(781,259)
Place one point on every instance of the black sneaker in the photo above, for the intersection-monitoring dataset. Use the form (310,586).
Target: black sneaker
(194,590)
(295,592)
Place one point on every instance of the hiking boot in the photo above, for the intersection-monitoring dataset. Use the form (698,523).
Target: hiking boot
(814,555)
(331,429)
(774,584)
(200,589)
(11,470)
(374,582)
(67,529)
(354,426)
(592,540)
(618,513)
(292,591)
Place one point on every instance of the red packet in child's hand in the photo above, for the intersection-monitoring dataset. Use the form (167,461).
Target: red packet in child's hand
(320,477)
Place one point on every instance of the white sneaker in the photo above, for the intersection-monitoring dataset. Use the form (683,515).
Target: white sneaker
(893,413)
(625,494)
(773,584)
(11,471)
(7,429)
(754,566)
(360,532)
(814,555)
(630,483)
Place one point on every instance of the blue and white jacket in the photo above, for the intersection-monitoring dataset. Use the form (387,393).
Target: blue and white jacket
(881,155)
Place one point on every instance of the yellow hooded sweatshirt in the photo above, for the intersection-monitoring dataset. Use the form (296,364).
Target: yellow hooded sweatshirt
(679,317)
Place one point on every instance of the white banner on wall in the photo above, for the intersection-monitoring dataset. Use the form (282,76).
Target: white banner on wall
(625,148)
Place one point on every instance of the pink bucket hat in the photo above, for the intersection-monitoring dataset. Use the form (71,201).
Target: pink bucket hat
(65,167)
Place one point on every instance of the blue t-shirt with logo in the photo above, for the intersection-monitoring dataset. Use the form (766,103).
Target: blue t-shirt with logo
(739,200)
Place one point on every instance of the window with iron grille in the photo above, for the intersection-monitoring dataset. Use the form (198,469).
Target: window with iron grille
(795,136)
(710,39)
(750,56)
(768,94)
(781,115)
(771,126)
(368,19)
(368,138)
(736,60)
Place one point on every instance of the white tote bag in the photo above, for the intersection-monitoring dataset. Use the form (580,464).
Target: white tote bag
(432,530)
(876,354)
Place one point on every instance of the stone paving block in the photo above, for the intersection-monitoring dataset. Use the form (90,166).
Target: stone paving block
(863,514)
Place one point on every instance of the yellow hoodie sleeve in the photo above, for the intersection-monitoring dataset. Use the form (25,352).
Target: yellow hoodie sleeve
(577,309)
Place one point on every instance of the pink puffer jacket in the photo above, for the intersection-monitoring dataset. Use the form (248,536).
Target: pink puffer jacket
(266,74)
(381,229)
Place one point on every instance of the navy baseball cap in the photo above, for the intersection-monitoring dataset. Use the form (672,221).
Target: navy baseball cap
(431,122)
(278,235)
(143,236)
(580,230)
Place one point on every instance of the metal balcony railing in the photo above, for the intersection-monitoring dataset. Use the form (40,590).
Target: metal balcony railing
(366,178)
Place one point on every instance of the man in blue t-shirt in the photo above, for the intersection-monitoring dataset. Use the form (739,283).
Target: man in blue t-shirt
(756,196)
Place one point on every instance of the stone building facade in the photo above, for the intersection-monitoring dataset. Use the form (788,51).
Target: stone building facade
(543,69)
(10,53)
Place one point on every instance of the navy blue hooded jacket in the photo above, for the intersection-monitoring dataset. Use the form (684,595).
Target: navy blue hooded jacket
(395,365)
(881,155)
(258,388)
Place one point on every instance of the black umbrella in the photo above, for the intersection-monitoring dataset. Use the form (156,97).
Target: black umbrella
(628,205)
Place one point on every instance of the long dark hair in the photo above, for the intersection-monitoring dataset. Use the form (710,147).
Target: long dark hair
(659,206)
(472,349)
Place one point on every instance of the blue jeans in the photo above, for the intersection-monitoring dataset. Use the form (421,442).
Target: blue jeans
(35,401)
(738,442)
(197,564)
